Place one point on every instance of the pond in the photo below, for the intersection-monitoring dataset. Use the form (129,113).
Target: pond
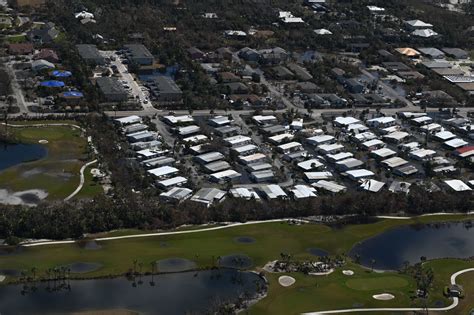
(14,154)
(177,293)
(409,243)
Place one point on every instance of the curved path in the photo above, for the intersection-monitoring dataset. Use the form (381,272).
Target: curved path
(406,309)
(44,125)
(81,183)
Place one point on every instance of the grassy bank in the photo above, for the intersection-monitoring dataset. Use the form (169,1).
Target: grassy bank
(58,172)
(310,293)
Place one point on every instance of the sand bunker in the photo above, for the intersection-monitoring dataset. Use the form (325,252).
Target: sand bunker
(27,197)
(348,272)
(42,141)
(383,296)
(286,281)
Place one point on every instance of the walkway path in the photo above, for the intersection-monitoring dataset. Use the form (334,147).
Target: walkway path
(406,309)
(81,183)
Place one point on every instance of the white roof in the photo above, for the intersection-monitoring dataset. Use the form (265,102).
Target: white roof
(330,147)
(323,31)
(365,136)
(418,23)
(445,135)
(412,114)
(371,143)
(237,139)
(289,145)
(177,193)
(226,174)
(129,120)
(162,171)
(374,8)
(456,143)
(426,32)
(188,130)
(330,186)
(253,157)
(431,127)
(345,121)
(220,120)
(457,185)
(317,175)
(273,191)
(172,181)
(262,118)
(359,127)
(372,185)
(394,162)
(179,119)
(422,119)
(303,191)
(246,193)
(350,163)
(308,164)
(320,139)
(245,148)
(360,173)
(195,138)
(384,152)
(208,195)
(422,153)
(391,129)
(339,156)
(210,157)
(397,135)
(279,138)
(382,120)
(297,123)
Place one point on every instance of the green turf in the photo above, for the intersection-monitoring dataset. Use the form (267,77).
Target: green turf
(58,172)
(310,293)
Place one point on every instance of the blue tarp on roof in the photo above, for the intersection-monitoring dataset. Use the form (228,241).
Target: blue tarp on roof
(52,83)
(73,94)
(61,74)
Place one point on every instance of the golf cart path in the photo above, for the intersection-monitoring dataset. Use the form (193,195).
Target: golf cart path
(82,180)
(111,238)
(407,309)
(226,225)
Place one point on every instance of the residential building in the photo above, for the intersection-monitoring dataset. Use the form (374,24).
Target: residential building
(138,54)
(90,54)
(208,196)
(111,89)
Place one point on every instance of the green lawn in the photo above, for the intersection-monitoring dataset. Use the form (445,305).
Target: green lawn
(58,173)
(310,293)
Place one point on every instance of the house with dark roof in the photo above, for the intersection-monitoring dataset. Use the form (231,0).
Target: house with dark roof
(111,89)
(300,72)
(164,89)
(90,54)
(249,54)
(20,48)
(48,55)
(139,54)
(195,53)
(43,35)
(457,53)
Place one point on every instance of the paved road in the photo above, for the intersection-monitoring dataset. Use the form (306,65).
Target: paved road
(391,92)
(17,91)
(401,309)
